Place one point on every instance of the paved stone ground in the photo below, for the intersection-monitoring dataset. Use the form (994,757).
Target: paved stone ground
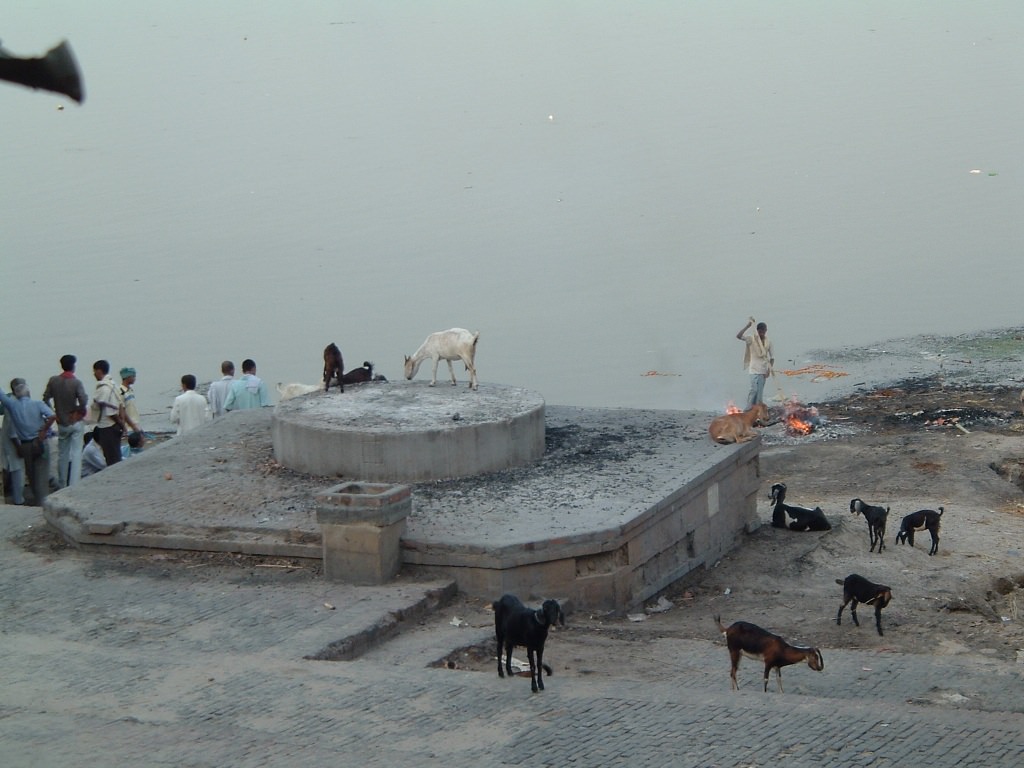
(109,666)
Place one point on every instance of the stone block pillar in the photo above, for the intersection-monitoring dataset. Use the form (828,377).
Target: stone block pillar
(362,525)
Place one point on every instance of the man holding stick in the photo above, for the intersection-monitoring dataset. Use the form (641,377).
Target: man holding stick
(758,359)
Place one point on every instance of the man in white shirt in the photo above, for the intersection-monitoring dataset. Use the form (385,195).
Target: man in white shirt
(758,359)
(190,409)
(218,393)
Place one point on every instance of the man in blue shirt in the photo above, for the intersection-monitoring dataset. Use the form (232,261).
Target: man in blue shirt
(30,421)
(250,391)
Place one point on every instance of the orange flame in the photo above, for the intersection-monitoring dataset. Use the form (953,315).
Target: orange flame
(797,426)
(733,408)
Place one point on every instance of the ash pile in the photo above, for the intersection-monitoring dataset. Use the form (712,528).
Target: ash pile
(794,423)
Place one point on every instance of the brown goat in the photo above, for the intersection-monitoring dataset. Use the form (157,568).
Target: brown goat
(745,638)
(738,427)
(334,367)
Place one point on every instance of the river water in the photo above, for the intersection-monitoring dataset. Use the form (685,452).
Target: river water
(605,190)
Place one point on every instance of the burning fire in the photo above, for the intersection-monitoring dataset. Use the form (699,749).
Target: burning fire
(799,419)
(733,408)
(797,426)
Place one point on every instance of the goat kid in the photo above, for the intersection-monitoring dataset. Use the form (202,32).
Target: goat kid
(453,344)
(804,519)
(876,518)
(515,624)
(923,519)
(749,639)
(738,427)
(857,589)
(334,367)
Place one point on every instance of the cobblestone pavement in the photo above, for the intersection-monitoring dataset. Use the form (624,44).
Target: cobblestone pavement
(102,666)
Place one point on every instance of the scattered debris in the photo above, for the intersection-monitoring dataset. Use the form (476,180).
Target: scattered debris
(457,622)
(329,606)
(817,372)
(663,604)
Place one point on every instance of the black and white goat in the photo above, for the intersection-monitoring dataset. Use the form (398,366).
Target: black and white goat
(359,375)
(923,519)
(743,637)
(857,589)
(876,518)
(804,518)
(515,624)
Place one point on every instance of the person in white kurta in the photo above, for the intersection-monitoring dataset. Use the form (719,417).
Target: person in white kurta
(190,409)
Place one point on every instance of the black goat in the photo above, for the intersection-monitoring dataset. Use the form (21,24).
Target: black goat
(876,518)
(359,375)
(515,624)
(334,367)
(923,519)
(744,637)
(857,589)
(804,519)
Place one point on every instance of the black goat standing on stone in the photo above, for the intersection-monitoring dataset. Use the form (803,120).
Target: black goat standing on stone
(804,519)
(857,589)
(876,518)
(923,519)
(515,624)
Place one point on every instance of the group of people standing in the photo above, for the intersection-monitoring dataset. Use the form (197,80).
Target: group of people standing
(191,409)
(112,413)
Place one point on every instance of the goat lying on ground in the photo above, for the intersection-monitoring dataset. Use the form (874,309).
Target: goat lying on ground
(738,427)
(857,589)
(334,367)
(750,639)
(515,624)
(288,391)
(923,519)
(453,344)
(804,519)
(359,375)
(876,517)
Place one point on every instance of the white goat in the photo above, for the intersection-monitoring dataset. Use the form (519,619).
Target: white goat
(453,344)
(288,391)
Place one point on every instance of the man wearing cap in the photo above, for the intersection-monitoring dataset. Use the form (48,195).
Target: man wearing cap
(131,410)
(69,401)
(30,421)
(107,411)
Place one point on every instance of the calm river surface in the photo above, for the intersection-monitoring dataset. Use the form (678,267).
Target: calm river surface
(602,189)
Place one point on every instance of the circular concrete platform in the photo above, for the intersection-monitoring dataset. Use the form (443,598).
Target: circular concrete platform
(409,432)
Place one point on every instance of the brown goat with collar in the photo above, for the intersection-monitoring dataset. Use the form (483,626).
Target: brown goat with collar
(744,638)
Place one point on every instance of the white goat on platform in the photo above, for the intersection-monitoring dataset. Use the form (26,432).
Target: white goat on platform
(453,344)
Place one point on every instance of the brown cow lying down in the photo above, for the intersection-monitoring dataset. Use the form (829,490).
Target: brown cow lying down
(738,427)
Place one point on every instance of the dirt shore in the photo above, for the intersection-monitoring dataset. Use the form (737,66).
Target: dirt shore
(912,446)
(908,447)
